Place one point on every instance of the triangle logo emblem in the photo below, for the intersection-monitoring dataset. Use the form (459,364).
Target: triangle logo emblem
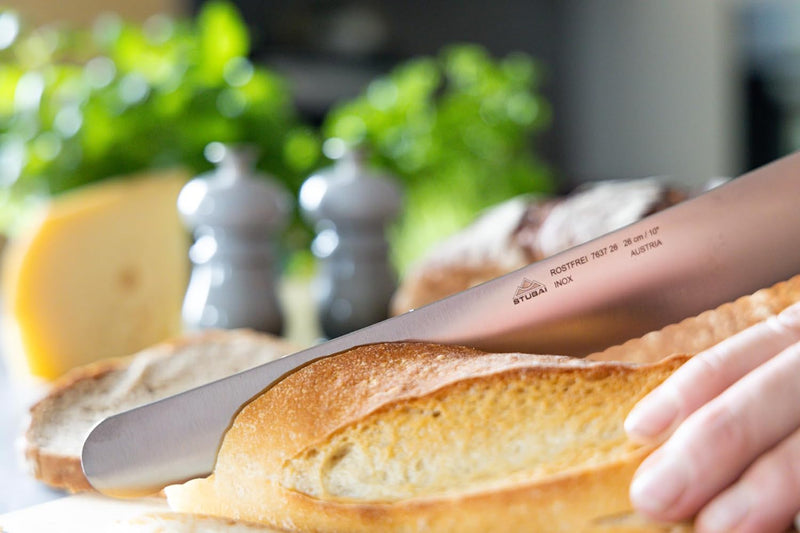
(527,286)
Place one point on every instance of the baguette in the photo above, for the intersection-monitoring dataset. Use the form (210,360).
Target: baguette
(59,422)
(424,437)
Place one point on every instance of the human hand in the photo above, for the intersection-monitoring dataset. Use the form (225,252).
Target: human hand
(730,422)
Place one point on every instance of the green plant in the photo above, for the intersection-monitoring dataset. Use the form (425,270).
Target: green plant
(78,106)
(458,130)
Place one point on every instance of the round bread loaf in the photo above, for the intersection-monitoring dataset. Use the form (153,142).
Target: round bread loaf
(527,229)
(59,422)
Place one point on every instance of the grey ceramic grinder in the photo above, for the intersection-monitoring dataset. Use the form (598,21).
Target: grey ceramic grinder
(350,208)
(236,216)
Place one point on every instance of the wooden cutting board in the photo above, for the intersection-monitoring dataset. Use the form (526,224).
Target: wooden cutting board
(88,513)
(93,513)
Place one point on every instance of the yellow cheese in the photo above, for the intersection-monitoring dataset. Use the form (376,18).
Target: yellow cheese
(101,274)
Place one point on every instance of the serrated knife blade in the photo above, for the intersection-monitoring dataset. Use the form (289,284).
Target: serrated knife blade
(723,244)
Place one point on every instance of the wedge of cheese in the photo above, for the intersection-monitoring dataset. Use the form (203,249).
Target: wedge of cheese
(101,273)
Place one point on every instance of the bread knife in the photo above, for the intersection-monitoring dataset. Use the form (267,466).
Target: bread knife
(728,242)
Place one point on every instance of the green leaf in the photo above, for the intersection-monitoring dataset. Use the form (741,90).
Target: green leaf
(9,77)
(302,150)
(457,130)
(222,37)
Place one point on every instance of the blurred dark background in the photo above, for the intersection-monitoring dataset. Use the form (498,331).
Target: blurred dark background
(638,88)
(694,89)
(623,89)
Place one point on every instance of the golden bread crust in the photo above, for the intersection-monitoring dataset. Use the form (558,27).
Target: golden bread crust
(368,386)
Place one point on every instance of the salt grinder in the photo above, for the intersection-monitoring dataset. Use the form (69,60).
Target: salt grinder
(350,209)
(236,216)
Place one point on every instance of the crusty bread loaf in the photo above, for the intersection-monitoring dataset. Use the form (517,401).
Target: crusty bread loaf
(698,333)
(423,437)
(526,229)
(59,422)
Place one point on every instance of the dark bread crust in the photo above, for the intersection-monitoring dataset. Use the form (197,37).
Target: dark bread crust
(544,227)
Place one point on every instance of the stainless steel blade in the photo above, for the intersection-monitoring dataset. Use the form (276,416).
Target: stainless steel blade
(728,242)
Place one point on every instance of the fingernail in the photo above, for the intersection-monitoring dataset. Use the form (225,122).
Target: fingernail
(725,512)
(657,486)
(652,416)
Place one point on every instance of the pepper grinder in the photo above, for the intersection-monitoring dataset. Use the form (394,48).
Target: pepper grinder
(350,209)
(235,215)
